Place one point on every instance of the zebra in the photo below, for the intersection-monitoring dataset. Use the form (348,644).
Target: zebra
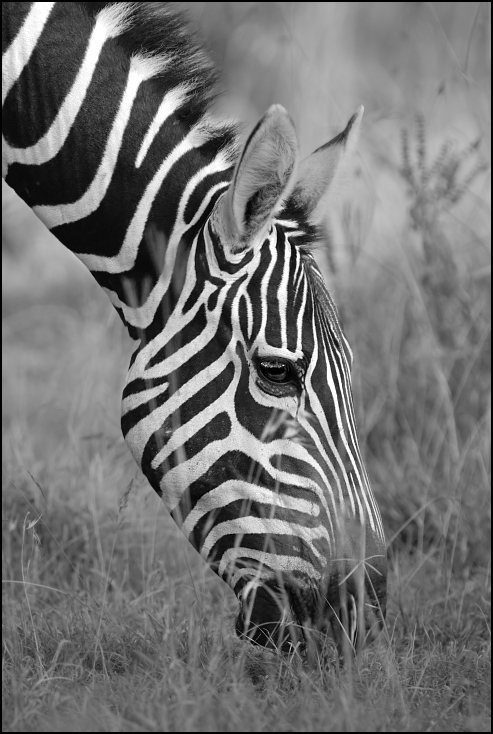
(238,404)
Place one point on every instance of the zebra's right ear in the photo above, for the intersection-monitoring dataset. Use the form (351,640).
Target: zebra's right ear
(263,178)
(319,170)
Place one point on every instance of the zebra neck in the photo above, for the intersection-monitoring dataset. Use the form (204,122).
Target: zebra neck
(115,153)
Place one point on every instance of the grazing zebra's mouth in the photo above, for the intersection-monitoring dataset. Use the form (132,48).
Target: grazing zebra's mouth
(283,616)
(267,617)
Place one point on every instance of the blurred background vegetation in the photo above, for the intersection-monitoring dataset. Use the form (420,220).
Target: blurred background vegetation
(409,236)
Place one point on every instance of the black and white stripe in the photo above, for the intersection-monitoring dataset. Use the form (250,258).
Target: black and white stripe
(238,403)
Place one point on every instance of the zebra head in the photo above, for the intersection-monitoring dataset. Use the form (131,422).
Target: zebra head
(239,407)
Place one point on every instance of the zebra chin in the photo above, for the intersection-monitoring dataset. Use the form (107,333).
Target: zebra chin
(266,619)
(302,615)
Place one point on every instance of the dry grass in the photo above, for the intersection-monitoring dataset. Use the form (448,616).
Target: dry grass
(111,621)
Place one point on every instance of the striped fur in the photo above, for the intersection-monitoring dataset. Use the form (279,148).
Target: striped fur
(108,135)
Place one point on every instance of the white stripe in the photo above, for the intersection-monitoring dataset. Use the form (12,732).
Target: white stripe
(234,490)
(125,259)
(185,431)
(267,527)
(140,433)
(176,481)
(110,23)
(21,49)
(265,285)
(249,312)
(276,561)
(282,293)
(258,575)
(90,201)
(171,102)
(299,324)
(130,402)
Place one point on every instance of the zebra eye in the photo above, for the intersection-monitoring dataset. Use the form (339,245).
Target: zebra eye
(276,370)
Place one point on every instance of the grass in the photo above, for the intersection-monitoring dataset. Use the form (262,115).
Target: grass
(111,622)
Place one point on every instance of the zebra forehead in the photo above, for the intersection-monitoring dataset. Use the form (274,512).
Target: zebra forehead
(290,305)
(305,242)
(308,237)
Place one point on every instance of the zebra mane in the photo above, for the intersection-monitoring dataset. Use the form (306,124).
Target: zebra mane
(159,34)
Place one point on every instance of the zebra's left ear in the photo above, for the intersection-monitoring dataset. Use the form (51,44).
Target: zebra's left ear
(263,178)
(318,170)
